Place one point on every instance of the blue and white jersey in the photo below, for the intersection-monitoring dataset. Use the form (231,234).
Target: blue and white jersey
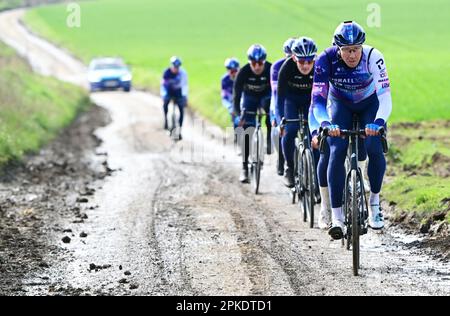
(335,80)
(227,92)
(274,70)
(174,85)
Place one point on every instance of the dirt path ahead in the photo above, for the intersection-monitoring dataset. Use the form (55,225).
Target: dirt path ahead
(172,218)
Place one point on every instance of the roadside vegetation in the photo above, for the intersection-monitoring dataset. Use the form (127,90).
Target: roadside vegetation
(33,108)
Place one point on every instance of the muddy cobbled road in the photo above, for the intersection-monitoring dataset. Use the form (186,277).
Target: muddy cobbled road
(172,218)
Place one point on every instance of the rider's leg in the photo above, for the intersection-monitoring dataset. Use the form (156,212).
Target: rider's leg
(288,141)
(166,102)
(362,162)
(248,104)
(265,104)
(325,206)
(376,167)
(342,116)
(181,102)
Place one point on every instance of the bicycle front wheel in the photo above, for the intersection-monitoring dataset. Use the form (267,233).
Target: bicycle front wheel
(256,162)
(357,200)
(309,185)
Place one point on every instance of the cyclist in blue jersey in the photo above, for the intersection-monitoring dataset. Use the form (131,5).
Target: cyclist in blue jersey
(351,78)
(274,70)
(174,86)
(251,92)
(295,81)
(227,82)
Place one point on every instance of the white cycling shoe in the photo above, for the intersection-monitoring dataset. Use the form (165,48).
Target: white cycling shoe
(324,219)
(337,231)
(376,220)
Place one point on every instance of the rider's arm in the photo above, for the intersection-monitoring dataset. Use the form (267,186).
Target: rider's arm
(163,87)
(377,66)
(281,91)
(184,83)
(314,125)
(237,90)
(320,89)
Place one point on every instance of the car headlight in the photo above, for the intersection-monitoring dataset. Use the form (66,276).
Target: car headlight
(94,79)
(126,77)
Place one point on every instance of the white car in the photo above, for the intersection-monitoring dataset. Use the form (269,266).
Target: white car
(109,74)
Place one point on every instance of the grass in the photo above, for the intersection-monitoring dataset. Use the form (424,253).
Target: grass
(32,108)
(419,168)
(413,37)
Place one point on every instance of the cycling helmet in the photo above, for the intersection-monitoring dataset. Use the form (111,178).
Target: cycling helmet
(175,61)
(256,52)
(349,33)
(231,63)
(304,48)
(287,46)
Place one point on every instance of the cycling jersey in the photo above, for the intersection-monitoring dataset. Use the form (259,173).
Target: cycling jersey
(227,92)
(351,85)
(251,85)
(174,85)
(274,70)
(292,83)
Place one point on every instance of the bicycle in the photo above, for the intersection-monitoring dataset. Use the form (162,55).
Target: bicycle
(304,170)
(174,132)
(356,211)
(256,150)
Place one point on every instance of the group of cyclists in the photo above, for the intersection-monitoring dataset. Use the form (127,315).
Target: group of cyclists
(329,88)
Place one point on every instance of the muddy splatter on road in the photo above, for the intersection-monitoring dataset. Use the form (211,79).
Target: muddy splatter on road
(172,219)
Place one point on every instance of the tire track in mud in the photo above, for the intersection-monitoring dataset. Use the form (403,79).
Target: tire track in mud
(169,225)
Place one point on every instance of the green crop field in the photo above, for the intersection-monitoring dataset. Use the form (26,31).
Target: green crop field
(413,37)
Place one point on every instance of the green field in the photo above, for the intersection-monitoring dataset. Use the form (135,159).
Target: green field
(413,37)
(32,108)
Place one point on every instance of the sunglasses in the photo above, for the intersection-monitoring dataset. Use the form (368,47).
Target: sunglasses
(259,63)
(303,61)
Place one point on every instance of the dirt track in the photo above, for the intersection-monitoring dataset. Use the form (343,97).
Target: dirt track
(172,218)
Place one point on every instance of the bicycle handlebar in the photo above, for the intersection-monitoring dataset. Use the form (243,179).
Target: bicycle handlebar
(348,133)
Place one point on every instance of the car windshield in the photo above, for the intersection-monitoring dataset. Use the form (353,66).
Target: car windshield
(103,66)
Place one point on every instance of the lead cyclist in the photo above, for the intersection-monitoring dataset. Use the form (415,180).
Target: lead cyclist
(354,80)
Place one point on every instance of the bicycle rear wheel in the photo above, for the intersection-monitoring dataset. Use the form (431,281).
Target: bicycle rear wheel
(309,186)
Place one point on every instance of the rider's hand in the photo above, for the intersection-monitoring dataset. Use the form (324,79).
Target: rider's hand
(315,142)
(334,130)
(373,129)
(274,123)
(241,122)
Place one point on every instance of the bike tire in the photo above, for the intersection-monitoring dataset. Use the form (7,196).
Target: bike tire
(309,183)
(257,164)
(356,208)
(294,191)
(300,183)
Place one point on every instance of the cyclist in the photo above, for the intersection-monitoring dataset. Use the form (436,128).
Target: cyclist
(295,82)
(276,137)
(353,78)
(174,86)
(232,66)
(253,85)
